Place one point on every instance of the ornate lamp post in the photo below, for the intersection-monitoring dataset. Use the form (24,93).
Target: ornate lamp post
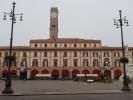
(8,89)
(119,23)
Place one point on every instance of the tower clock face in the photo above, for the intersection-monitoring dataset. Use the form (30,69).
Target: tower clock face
(53,14)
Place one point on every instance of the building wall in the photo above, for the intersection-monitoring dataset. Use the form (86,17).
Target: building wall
(96,53)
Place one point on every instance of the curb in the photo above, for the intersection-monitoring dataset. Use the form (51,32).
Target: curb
(82,93)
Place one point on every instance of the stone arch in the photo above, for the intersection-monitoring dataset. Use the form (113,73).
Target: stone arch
(45,71)
(13,72)
(107,73)
(117,73)
(85,72)
(96,71)
(74,73)
(65,73)
(55,74)
(4,73)
(33,73)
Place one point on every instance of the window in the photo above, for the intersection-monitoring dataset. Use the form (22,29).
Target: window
(85,45)
(55,45)
(45,54)
(35,63)
(106,63)
(85,62)
(45,62)
(65,45)
(6,61)
(106,54)
(45,45)
(118,54)
(114,54)
(85,54)
(75,45)
(95,63)
(95,54)
(55,62)
(35,45)
(65,62)
(23,62)
(117,63)
(75,54)
(24,54)
(53,25)
(35,54)
(65,54)
(55,54)
(75,62)
(95,45)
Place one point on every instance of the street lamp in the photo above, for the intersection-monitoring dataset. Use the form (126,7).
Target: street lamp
(120,23)
(8,89)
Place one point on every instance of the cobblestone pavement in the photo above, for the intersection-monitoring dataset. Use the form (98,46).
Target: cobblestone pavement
(31,87)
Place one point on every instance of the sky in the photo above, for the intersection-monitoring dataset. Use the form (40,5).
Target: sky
(86,19)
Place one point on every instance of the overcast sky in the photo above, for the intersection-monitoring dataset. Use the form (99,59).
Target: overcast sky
(88,19)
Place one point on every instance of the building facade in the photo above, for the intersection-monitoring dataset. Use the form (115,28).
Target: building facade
(63,57)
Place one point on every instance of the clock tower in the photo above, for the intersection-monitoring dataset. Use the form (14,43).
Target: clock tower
(53,23)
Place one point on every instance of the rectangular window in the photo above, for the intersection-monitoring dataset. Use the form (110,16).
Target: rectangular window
(85,54)
(75,54)
(95,54)
(95,45)
(95,63)
(35,63)
(23,62)
(55,62)
(35,54)
(55,54)
(75,62)
(55,45)
(24,54)
(45,45)
(106,54)
(35,45)
(114,54)
(45,54)
(85,62)
(45,62)
(75,45)
(65,45)
(85,45)
(65,62)
(65,54)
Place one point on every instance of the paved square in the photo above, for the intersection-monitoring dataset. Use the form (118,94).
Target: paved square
(59,87)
